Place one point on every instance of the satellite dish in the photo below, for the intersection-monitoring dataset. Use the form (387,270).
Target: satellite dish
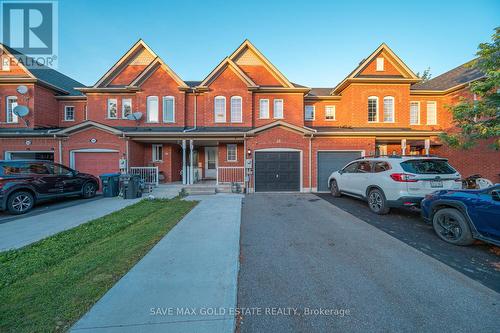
(22,90)
(135,116)
(21,110)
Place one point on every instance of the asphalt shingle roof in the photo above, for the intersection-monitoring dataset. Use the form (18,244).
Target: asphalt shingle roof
(459,75)
(320,92)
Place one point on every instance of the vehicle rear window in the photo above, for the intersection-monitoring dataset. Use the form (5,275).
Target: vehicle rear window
(381,166)
(364,167)
(434,167)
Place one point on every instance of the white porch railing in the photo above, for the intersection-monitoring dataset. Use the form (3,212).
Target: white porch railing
(230,175)
(148,174)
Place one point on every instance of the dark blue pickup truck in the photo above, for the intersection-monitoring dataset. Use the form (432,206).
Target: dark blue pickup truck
(460,216)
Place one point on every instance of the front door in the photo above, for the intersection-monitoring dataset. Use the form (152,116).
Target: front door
(210,162)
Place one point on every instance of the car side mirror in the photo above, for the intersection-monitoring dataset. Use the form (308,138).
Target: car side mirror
(341,172)
(74,173)
(495,195)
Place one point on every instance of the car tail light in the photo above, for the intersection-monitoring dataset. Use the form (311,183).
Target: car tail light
(403,177)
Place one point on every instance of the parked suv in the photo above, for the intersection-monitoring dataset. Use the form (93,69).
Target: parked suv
(26,182)
(393,181)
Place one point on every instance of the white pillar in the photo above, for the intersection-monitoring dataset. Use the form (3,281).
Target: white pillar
(191,170)
(403,147)
(184,178)
(427,146)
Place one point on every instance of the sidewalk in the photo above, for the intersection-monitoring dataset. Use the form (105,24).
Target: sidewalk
(192,269)
(21,232)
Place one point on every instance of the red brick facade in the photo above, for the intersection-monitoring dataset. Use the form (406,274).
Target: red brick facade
(246,74)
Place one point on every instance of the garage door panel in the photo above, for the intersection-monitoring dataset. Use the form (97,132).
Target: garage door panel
(96,163)
(330,161)
(277,171)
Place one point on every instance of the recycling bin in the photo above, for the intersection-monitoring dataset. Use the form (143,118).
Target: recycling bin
(110,184)
(130,186)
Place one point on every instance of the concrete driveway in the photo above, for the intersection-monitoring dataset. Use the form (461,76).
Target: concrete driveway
(308,266)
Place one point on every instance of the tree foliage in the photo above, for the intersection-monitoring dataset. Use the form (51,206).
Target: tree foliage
(426,75)
(479,119)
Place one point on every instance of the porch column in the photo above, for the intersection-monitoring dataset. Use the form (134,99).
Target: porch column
(191,170)
(184,178)
(403,147)
(427,146)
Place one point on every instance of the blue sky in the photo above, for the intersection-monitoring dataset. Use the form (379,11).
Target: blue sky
(315,43)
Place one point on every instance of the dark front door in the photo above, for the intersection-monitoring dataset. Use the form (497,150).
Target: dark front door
(277,171)
(330,161)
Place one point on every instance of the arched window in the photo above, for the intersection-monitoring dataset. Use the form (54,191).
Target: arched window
(236,109)
(220,109)
(389,109)
(152,111)
(372,109)
(168,109)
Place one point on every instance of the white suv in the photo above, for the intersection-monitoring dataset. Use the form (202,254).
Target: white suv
(393,181)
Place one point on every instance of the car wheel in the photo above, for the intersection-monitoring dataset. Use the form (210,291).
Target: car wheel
(334,188)
(377,202)
(20,202)
(88,190)
(451,226)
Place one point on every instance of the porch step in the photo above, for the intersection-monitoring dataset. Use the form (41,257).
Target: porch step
(199,190)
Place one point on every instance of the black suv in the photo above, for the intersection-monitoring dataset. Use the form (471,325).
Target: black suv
(26,182)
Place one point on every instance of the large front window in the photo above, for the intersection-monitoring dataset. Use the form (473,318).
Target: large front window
(236,109)
(126,107)
(278,109)
(372,109)
(414,113)
(112,108)
(389,109)
(264,109)
(431,113)
(168,109)
(220,109)
(152,109)
(11,103)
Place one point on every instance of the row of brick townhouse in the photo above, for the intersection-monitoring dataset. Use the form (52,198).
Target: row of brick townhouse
(245,122)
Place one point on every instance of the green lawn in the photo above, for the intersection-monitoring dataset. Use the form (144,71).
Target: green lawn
(49,285)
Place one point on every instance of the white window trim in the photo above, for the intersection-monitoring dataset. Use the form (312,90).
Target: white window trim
(123,107)
(380,64)
(418,112)
(235,152)
(435,113)
(66,114)
(313,112)
(148,118)
(282,108)
(215,111)
(15,118)
(393,110)
(154,148)
(260,108)
(377,109)
(334,112)
(231,109)
(164,104)
(109,109)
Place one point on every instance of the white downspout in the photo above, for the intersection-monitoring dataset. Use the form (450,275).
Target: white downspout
(184,178)
(310,162)
(195,114)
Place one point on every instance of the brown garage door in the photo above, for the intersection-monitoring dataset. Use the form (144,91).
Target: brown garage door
(97,163)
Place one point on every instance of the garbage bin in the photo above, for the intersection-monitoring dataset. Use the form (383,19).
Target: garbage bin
(110,186)
(130,186)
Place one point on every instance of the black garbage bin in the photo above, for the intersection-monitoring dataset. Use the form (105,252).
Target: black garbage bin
(110,184)
(130,186)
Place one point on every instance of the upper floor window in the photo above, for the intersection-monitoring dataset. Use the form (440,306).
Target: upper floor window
(11,103)
(126,107)
(372,109)
(220,109)
(112,108)
(232,155)
(389,109)
(278,109)
(152,109)
(414,113)
(431,113)
(380,64)
(236,109)
(169,109)
(264,109)
(330,112)
(5,64)
(69,113)
(309,112)
(157,150)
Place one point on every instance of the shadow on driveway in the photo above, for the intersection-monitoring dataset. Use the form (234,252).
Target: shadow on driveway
(480,261)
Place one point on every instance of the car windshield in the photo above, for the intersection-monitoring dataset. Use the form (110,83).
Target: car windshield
(435,167)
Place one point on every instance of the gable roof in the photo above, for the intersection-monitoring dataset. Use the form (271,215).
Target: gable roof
(89,124)
(152,67)
(301,129)
(224,64)
(407,73)
(272,69)
(122,63)
(46,75)
(457,76)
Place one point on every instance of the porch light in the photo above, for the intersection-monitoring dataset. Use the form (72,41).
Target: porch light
(249,152)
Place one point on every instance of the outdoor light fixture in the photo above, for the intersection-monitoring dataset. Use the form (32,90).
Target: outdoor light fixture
(249,152)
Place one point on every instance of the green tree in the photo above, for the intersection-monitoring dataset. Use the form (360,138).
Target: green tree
(426,75)
(479,119)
